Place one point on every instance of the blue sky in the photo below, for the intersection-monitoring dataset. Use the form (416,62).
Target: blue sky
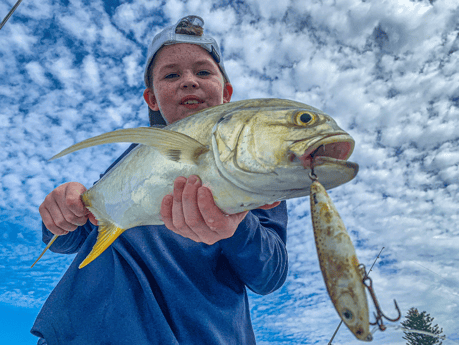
(387,71)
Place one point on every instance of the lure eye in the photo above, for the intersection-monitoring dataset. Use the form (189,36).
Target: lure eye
(304,118)
(348,315)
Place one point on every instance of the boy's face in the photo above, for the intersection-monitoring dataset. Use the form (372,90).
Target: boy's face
(186,79)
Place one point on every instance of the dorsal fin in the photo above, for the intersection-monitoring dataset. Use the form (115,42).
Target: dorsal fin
(176,146)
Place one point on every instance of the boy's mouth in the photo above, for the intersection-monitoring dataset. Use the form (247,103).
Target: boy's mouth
(191,102)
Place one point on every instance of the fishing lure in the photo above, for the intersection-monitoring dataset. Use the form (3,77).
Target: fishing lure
(345,279)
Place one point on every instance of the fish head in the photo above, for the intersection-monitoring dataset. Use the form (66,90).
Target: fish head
(273,144)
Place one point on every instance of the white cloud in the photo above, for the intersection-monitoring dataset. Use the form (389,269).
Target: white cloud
(174,10)
(37,73)
(91,70)
(134,68)
(19,37)
(387,71)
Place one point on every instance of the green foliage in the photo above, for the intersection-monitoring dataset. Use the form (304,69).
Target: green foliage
(421,322)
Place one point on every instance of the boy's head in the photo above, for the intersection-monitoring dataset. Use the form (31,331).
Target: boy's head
(184,72)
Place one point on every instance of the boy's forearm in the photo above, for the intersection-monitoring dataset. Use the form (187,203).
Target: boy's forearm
(258,254)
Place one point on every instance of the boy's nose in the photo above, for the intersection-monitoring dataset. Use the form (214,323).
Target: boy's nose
(189,81)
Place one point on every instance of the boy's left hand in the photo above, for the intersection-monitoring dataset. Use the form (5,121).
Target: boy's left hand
(191,212)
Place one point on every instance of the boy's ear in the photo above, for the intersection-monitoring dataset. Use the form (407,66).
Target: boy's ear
(227,92)
(150,98)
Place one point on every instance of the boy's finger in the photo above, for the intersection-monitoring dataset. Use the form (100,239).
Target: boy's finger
(166,211)
(211,214)
(73,199)
(179,225)
(177,211)
(191,212)
(65,220)
(92,219)
(63,207)
(269,206)
(49,223)
(216,220)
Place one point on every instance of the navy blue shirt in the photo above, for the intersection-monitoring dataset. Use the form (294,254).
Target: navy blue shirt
(152,286)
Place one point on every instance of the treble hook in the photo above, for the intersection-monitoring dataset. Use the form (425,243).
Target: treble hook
(379,315)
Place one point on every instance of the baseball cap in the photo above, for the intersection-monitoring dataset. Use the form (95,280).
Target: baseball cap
(169,36)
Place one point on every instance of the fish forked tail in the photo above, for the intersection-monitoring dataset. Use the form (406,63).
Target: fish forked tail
(108,233)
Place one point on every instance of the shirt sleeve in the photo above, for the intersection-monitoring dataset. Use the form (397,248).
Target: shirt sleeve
(70,243)
(257,251)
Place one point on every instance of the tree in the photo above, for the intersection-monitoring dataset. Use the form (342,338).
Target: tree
(421,322)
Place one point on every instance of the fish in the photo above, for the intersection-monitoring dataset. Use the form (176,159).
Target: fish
(342,273)
(249,153)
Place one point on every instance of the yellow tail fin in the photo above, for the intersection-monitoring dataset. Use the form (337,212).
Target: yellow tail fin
(108,233)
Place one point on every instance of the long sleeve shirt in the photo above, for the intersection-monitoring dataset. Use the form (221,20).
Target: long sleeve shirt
(152,286)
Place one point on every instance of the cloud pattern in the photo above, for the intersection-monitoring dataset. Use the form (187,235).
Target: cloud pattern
(386,71)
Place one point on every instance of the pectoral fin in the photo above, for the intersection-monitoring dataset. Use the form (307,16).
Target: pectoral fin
(175,146)
(108,233)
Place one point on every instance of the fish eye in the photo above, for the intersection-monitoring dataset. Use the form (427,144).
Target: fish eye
(304,118)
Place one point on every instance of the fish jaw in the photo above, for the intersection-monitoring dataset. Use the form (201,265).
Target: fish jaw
(338,146)
(339,264)
(328,157)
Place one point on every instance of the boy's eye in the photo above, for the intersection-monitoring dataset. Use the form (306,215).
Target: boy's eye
(203,73)
(171,75)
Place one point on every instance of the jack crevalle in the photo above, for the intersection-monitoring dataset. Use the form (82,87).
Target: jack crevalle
(343,276)
(248,153)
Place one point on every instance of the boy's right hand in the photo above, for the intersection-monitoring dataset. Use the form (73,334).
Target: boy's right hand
(63,211)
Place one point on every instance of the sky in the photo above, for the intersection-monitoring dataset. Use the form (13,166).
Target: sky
(386,71)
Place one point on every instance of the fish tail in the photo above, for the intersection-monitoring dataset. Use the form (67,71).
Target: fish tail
(108,233)
(46,248)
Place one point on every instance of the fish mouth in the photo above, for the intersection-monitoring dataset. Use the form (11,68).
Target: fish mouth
(338,147)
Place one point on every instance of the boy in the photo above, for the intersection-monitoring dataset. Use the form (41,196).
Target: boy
(181,283)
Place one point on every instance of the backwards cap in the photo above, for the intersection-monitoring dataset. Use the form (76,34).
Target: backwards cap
(170,36)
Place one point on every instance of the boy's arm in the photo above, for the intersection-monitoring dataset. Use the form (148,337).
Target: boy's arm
(257,250)
(254,242)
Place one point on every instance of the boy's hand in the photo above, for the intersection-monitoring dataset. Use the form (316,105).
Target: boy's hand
(190,211)
(63,211)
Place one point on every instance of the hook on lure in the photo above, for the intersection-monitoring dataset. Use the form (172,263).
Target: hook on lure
(379,315)
(311,174)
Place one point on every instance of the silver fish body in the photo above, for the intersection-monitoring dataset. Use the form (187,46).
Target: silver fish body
(339,264)
(249,153)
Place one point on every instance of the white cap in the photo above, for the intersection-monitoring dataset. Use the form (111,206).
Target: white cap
(168,36)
